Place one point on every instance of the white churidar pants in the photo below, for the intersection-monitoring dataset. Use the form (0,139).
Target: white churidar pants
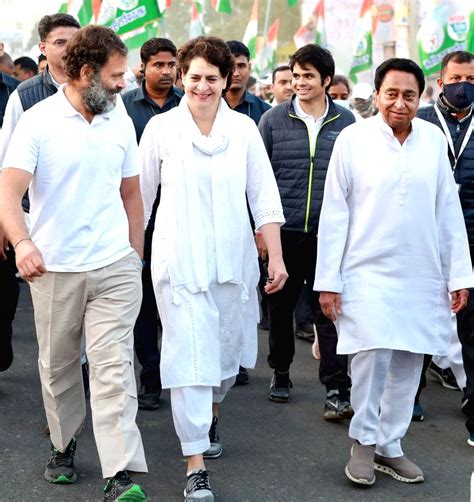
(384,384)
(192,414)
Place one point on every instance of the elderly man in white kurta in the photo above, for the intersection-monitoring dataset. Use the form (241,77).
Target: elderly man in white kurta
(392,243)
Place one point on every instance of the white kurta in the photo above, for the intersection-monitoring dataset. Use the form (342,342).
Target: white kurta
(392,238)
(204,259)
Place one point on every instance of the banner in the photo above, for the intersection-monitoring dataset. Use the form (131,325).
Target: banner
(447,27)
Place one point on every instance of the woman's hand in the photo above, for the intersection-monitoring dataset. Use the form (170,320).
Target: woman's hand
(277,275)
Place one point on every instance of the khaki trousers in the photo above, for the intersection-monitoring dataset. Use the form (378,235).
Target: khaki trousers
(106,301)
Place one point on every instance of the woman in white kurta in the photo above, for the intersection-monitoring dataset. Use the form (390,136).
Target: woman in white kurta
(209,160)
(392,244)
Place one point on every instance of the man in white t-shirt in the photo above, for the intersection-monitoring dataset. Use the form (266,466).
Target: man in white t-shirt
(77,153)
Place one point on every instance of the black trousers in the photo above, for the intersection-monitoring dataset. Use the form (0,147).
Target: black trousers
(465,320)
(10,291)
(299,254)
(147,325)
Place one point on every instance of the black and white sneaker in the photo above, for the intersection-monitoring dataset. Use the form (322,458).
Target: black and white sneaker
(444,376)
(198,488)
(215,450)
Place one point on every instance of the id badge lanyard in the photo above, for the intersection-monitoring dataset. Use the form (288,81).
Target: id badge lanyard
(467,136)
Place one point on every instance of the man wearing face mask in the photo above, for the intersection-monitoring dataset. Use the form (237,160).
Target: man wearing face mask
(362,100)
(453,114)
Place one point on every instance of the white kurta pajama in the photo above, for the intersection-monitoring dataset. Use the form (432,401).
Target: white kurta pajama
(392,241)
(204,260)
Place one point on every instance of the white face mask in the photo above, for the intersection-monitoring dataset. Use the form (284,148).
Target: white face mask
(342,102)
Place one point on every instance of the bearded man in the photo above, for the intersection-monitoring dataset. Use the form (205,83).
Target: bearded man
(77,152)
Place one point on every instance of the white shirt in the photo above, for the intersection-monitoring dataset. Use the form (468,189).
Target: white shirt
(78,220)
(392,238)
(313,124)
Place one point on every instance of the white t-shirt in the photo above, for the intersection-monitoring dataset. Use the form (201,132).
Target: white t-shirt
(78,220)
(313,124)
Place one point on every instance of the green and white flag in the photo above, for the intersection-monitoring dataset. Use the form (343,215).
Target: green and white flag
(251,32)
(222,6)
(362,57)
(292,3)
(82,10)
(135,21)
(446,28)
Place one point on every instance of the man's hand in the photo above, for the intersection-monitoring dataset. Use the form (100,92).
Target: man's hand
(330,304)
(459,300)
(29,260)
(261,247)
(277,275)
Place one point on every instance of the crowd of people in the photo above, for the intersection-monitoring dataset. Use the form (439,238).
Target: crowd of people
(177,203)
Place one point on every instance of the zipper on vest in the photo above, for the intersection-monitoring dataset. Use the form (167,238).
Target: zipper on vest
(311,166)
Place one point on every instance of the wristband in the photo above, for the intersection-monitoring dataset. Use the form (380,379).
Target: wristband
(21,240)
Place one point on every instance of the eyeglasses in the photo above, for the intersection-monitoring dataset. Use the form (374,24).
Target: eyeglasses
(59,42)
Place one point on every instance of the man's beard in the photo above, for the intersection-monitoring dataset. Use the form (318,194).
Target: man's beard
(97,98)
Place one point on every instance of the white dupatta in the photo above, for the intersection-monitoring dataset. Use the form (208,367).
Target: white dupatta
(187,261)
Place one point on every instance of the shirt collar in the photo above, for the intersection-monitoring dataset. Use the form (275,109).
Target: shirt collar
(388,130)
(70,111)
(141,94)
(303,115)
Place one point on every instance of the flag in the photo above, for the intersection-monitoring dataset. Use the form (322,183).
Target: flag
(447,27)
(267,58)
(196,27)
(135,22)
(313,31)
(362,56)
(163,5)
(251,32)
(292,3)
(222,6)
(82,10)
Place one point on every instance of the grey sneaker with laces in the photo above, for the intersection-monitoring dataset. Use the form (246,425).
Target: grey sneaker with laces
(360,469)
(337,408)
(215,450)
(400,468)
(198,488)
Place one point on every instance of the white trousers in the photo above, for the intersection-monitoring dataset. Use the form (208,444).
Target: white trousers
(384,384)
(454,358)
(192,414)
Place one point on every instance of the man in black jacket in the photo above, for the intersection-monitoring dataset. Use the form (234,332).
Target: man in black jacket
(299,136)
(453,113)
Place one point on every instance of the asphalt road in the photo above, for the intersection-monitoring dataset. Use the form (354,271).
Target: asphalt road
(272,452)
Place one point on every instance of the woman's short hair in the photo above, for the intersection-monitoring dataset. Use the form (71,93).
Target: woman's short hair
(212,49)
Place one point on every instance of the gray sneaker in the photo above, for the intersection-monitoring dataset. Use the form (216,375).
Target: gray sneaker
(400,468)
(336,408)
(215,450)
(360,468)
(198,488)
